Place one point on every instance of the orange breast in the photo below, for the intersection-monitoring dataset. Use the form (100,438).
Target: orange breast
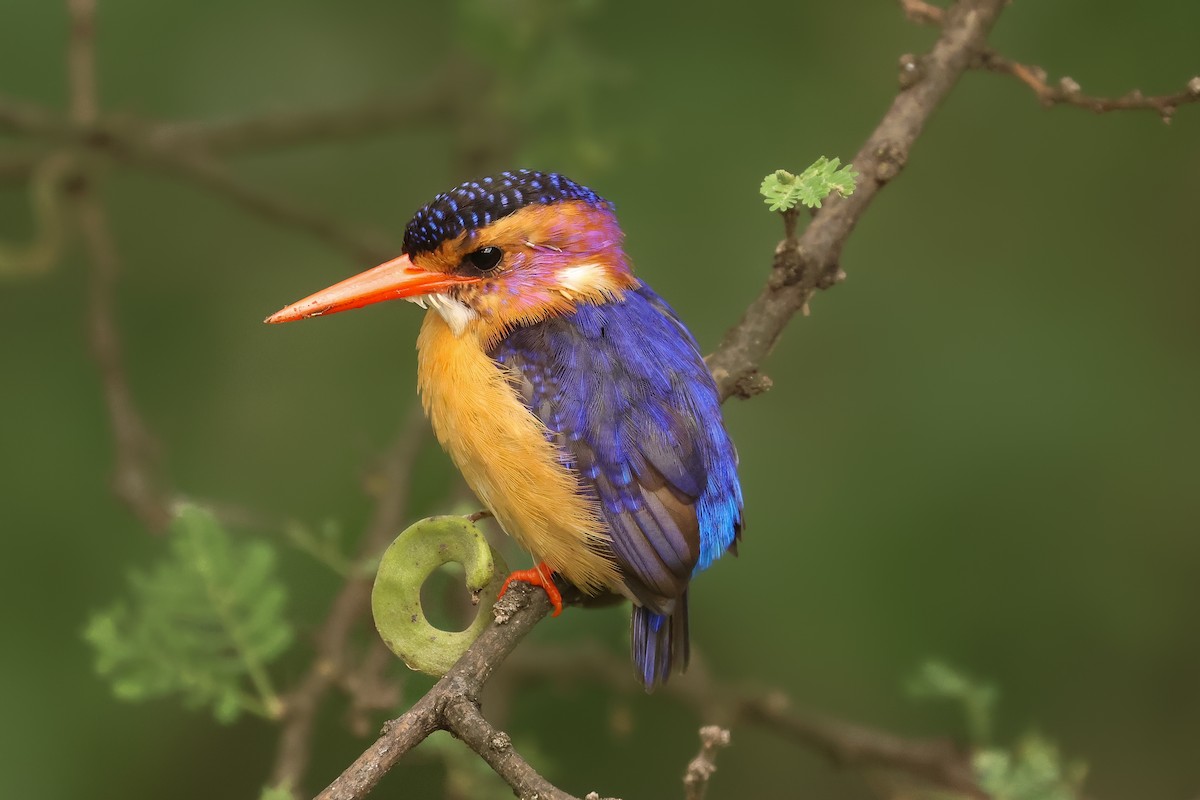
(502,452)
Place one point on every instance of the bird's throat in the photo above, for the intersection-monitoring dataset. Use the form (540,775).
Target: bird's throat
(457,314)
(503,453)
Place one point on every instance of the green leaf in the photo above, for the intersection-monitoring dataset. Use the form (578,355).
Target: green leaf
(782,190)
(277,793)
(1033,771)
(939,681)
(39,256)
(203,624)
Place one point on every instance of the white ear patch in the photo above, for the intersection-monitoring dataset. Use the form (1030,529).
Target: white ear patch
(456,314)
(580,277)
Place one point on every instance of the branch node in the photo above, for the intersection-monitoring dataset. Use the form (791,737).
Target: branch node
(752,384)
(910,73)
(891,160)
(1193,86)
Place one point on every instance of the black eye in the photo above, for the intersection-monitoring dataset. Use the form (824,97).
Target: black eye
(485,259)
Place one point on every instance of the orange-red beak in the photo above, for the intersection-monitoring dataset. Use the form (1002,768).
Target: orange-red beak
(397,278)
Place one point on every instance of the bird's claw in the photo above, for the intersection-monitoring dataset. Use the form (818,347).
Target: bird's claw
(538,576)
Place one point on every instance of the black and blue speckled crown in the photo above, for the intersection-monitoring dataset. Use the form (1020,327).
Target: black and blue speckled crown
(476,204)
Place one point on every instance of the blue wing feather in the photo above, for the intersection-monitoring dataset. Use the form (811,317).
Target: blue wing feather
(624,391)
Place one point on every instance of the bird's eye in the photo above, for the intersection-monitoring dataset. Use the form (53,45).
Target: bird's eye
(485,259)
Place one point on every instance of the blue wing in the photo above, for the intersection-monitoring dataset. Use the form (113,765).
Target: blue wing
(626,395)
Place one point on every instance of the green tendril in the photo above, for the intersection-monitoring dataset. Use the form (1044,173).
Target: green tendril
(45,190)
(407,564)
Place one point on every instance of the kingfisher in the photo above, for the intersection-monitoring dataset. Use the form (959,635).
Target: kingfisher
(571,397)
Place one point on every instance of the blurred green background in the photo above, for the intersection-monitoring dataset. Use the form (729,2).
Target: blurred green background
(982,446)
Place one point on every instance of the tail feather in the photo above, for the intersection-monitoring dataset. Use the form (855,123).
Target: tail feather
(660,642)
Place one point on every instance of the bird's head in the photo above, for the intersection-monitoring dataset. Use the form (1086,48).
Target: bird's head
(493,254)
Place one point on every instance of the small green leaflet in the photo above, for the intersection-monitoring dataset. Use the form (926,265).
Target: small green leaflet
(203,623)
(782,190)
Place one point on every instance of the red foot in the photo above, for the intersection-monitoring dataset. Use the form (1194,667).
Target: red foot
(538,576)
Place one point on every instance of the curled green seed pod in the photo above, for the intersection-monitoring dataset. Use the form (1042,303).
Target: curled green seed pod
(407,564)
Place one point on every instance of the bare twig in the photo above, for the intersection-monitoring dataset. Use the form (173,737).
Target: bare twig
(136,145)
(81,61)
(1066,91)
(922,13)
(802,266)
(348,609)
(297,128)
(1069,93)
(34,121)
(463,718)
(937,761)
(713,738)
(202,170)
(522,607)
(135,477)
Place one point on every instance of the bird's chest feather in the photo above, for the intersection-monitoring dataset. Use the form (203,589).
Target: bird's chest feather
(503,453)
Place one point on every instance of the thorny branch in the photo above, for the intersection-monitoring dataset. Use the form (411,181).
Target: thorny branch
(802,265)
(1067,91)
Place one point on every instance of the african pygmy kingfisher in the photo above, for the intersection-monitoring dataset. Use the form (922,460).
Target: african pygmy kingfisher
(570,395)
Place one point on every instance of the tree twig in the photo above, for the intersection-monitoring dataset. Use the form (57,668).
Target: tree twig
(700,769)
(936,761)
(202,170)
(922,13)
(392,484)
(297,128)
(1067,91)
(517,612)
(137,145)
(803,265)
(135,476)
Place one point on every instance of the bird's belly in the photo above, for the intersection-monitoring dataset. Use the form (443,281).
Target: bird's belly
(503,453)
